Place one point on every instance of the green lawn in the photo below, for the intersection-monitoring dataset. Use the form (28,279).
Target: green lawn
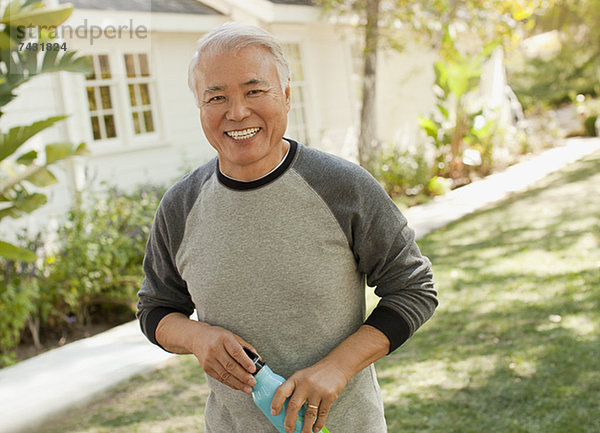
(513,347)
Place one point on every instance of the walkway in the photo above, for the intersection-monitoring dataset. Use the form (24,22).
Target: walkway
(43,386)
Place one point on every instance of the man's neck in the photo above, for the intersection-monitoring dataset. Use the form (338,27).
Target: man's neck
(256,172)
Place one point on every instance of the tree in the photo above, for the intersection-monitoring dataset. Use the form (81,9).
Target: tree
(25,27)
(367,140)
(556,78)
(391,23)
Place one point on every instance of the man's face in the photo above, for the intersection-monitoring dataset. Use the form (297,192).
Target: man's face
(243,110)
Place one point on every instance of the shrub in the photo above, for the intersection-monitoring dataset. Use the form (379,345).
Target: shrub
(404,173)
(94,270)
(99,260)
(19,299)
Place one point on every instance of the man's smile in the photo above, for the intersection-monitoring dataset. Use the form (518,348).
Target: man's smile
(242,134)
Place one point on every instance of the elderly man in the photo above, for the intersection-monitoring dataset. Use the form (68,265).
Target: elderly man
(271,242)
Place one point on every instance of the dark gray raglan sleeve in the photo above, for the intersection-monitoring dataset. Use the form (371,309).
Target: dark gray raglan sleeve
(163,290)
(382,243)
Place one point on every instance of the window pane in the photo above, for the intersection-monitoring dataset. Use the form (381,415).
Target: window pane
(144,68)
(148,121)
(136,123)
(132,98)
(298,75)
(91,94)
(129,65)
(104,67)
(145,94)
(92,74)
(105,95)
(96,128)
(109,123)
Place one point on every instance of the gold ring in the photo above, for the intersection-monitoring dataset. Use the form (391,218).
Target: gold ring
(312,406)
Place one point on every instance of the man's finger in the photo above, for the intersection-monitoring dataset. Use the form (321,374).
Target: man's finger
(225,377)
(236,351)
(294,405)
(322,415)
(230,368)
(284,391)
(310,415)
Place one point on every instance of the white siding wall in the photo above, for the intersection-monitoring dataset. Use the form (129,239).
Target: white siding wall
(404,92)
(331,100)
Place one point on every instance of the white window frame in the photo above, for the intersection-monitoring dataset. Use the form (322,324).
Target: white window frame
(295,130)
(100,111)
(126,140)
(136,81)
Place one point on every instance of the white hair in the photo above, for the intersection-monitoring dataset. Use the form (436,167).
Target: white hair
(234,36)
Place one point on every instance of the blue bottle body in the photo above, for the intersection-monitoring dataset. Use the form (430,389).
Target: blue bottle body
(262,393)
(267,383)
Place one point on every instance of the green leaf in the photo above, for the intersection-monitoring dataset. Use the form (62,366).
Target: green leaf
(15,137)
(441,75)
(67,62)
(33,16)
(429,126)
(12,252)
(6,42)
(13,8)
(30,202)
(27,158)
(443,110)
(57,151)
(42,177)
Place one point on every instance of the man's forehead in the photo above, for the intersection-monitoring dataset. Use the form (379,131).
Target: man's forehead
(247,66)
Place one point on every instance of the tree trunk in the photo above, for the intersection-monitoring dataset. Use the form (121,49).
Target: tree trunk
(34,328)
(367,140)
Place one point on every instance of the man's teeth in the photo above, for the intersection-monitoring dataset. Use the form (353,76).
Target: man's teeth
(243,134)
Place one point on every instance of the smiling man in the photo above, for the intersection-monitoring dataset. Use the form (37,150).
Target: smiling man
(271,243)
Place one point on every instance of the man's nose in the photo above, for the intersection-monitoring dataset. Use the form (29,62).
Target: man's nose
(238,109)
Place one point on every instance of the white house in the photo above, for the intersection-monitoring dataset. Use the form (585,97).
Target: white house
(139,118)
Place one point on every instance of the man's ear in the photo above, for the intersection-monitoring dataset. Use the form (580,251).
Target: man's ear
(287,93)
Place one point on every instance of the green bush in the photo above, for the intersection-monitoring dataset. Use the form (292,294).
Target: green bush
(101,251)
(553,81)
(404,174)
(20,298)
(94,270)
(17,301)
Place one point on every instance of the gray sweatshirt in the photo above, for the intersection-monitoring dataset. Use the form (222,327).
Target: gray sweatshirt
(281,262)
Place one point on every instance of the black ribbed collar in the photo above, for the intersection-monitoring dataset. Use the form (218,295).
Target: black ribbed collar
(253,184)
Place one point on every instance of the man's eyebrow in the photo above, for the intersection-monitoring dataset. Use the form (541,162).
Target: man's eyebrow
(254,81)
(213,89)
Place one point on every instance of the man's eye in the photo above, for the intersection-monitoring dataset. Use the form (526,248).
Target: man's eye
(255,92)
(216,99)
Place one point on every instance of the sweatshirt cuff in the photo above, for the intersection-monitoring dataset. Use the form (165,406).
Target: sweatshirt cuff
(151,323)
(391,323)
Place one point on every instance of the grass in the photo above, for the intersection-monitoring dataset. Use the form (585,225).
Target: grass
(513,346)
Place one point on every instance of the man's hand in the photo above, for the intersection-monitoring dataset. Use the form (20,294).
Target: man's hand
(221,356)
(321,384)
(318,386)
(219,351)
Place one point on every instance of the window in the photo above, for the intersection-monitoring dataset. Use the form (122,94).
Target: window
(120,97)
(138,83)
(100,86)
(297,126)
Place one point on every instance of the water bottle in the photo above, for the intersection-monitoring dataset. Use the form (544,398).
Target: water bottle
(264,390)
